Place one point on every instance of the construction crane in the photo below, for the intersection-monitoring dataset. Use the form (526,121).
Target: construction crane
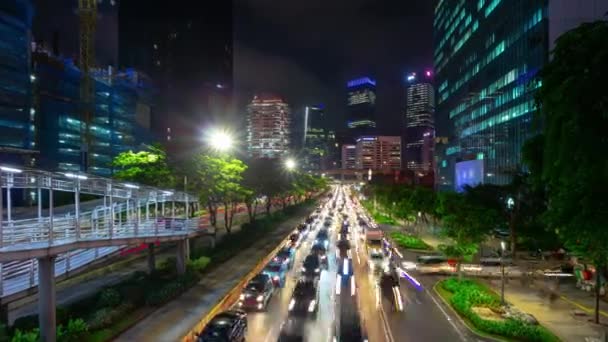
(87,12)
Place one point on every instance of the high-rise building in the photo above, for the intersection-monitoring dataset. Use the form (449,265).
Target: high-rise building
(349,156)
(268,127)
(378,153)
(318,145)
(487,55)
(419,122)
(17,120)
(361,106)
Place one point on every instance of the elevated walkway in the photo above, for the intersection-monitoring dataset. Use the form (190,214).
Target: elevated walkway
(124,214)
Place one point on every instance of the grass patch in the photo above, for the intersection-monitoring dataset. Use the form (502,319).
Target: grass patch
(125,323)
(409,241)
(380,218)
(466,294)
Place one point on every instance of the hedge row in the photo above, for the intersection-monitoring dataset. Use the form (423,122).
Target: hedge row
(408,241)
(467,294)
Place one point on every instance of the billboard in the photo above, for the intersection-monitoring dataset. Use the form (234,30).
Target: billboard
(468,172)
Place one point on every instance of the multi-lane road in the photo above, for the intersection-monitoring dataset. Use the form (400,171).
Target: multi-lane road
(354,304)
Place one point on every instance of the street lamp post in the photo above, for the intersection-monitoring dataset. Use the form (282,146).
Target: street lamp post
(503,246)
(290,164)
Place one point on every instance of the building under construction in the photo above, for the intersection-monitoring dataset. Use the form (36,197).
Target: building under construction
(41,104)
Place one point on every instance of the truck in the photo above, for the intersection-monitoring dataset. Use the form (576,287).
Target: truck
(373,239)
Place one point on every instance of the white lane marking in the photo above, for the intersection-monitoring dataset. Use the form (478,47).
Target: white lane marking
(449,319)
(352,286)
(388,334)
(269,335)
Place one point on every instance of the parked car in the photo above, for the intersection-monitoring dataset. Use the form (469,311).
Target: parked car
(228,326)
(257,293)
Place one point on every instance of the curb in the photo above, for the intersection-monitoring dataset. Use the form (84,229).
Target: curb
(581,306)
(224,302)
(462,320)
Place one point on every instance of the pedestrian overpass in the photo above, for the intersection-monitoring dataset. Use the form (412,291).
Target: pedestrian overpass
(40,245)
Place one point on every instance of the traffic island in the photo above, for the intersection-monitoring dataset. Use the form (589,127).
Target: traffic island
(480,309)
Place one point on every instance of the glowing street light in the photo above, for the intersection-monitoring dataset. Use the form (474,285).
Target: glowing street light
(221,140)
(290,164)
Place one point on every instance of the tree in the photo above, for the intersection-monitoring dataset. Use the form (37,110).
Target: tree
(466,223)
(574,109)
(148,167)
(219,182)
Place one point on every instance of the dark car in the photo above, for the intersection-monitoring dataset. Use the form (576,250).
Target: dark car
(277,271)
(321,251)
(305,298)
(322,237)
(302,228)
(228,326)
(294,240)
(292,330)
(257,293)
(286,256)
(343,246)
(311,266)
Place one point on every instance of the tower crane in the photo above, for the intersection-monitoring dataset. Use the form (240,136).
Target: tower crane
(87,13)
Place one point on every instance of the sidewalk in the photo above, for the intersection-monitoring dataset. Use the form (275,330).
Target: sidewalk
(569,317)
(175,319)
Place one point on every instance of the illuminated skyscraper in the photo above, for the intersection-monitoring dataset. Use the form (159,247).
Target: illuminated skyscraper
(349,156)
(419,122)
(379,153)
(318,144)
(361,102)
(487,55)
(268,127)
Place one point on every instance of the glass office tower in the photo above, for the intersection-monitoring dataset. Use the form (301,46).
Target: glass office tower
(487,55)
(361,102)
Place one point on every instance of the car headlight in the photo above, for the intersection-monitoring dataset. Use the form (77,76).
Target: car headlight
(311,306)
(260,298)
(303,269)
(323,257)
(242,297)
(292,304)
(276,278)
(317,270)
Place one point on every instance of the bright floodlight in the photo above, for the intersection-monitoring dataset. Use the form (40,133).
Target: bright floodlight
(290,164)
(220,140)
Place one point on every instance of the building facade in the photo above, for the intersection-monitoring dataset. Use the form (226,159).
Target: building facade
(268,123)
(378,153)
(419,122)
(319,141)
(120,122)
(17,120)
(361,106)
(487,55)
(349,156)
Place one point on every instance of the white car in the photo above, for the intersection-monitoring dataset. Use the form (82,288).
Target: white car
(377,261)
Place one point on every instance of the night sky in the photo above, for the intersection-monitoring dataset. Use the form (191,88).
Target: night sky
(307,50)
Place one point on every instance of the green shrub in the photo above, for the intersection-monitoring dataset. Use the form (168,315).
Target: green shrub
(29,336)
(468,294)
(105,317)
(75,331)
(198,265)
(109,298)
(408,241)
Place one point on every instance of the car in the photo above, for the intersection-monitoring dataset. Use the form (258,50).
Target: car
(377,261)
(294,239)
(322,237)
(494,259)
(228,326)
(305,298)
(277,272)
(257,293)
(302,229)
(311,267)
(285,255)
(321,251)
(431,259)
(292,330)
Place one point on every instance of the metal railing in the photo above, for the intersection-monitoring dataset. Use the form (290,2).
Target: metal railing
(128,211)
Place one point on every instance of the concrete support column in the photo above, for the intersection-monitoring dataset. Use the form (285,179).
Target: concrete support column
(151,258)
(182,256)
(46,299)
